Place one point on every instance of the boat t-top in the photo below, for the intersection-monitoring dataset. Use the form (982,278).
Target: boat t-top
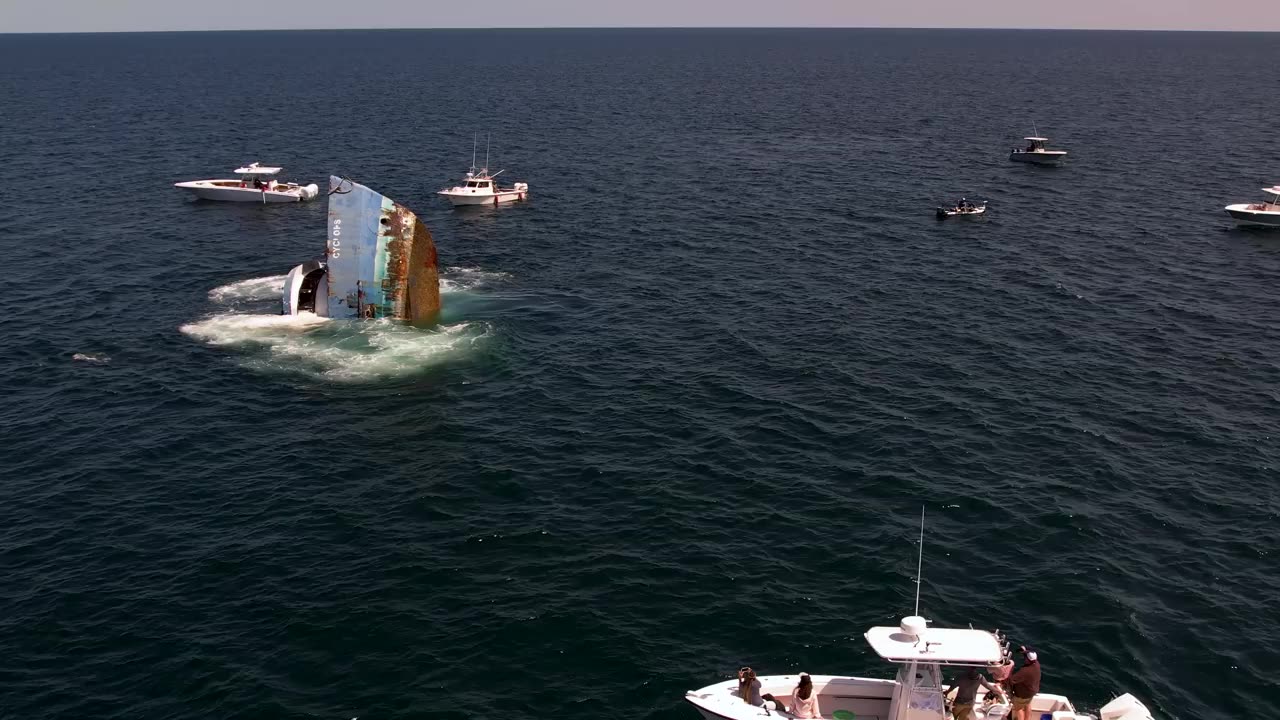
(917,692)
(1262,214)
(479,187)
(256,183)
(964,208)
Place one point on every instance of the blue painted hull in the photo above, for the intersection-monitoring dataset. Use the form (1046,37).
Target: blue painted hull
(381,259)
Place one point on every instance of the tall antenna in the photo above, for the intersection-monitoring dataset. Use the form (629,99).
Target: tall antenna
(920,560)
(475,137)
(487,135)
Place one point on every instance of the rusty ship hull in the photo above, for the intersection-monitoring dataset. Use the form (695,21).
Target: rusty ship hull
(380,262)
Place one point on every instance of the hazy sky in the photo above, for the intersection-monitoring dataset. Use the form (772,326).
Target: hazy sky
(105,15)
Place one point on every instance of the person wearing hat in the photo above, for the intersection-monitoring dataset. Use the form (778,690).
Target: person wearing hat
(804,701)
(966,688)
(1024,684)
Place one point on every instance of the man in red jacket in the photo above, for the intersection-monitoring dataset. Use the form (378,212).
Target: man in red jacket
(1024,684)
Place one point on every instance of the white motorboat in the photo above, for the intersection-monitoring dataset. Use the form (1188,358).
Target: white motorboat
(964,208)
(1036,152)
(1263,214)
(256,183)
(917,693)
(481,188)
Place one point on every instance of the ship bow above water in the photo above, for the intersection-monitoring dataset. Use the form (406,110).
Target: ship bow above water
(380,262)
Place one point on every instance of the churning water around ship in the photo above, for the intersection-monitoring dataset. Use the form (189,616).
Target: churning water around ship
(683,406)
(248,318)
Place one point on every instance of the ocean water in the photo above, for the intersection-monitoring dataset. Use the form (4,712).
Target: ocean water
(683,407)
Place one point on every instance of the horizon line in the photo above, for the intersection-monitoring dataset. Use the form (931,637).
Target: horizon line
(637,27)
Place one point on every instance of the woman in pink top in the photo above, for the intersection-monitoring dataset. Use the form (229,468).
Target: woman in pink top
(804,699)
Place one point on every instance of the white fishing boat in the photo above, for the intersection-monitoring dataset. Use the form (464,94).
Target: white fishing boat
(917,692)
(1035,152)
(964,208)
(256,183)
(481,188)
(1262,214)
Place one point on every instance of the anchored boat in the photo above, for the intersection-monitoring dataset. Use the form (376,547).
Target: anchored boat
(481,188)
(380,262)
(964,208)
(256,183)
(1262,214)
(917,692)
(1036,152)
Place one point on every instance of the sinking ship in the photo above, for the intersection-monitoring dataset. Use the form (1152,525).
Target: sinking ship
(379,262)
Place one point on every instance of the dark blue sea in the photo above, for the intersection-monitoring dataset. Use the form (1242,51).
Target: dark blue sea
(683,407)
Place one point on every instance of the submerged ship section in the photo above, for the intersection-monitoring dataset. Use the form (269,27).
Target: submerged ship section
(380,262)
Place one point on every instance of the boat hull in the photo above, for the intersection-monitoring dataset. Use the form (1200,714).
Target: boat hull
(1245,217)
(469,199)
(208,190)
(865,698)
(1046,157)
(380,260)
(943,214)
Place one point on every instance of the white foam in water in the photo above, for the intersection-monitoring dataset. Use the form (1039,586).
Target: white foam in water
(241,329)
(461,279)
(334,350)
(343,351)
(262,288)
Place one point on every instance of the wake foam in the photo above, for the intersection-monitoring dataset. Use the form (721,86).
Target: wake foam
(262,288)
(240,329)
(334,350)
(463,279)
(339,351)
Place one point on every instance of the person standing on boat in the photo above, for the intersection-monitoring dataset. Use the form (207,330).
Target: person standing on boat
(1024,684)
(966,688)
(1000,673)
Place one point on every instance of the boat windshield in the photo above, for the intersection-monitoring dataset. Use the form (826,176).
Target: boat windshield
(477,183)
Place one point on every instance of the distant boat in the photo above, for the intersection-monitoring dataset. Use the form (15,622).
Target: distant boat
(256,183)
(1263,214)
(380,262)
(1035,152)
(480,188)
(964,208)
